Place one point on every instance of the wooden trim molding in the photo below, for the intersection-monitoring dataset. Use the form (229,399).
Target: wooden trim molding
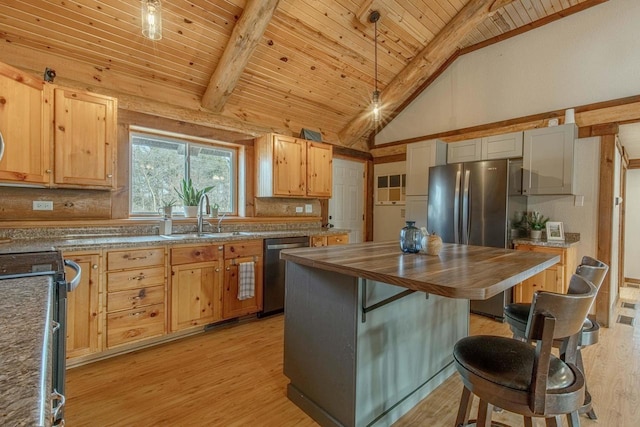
(634,164)
(604,311)
(631,280)
(595,119)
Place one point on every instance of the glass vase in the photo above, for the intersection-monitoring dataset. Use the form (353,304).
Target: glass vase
(410,238)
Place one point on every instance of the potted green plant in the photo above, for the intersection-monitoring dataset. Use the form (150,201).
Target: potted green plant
(166,207)
(190,196)
(537,223)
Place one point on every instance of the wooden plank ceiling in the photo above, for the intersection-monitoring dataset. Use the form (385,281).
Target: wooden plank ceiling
(312,67)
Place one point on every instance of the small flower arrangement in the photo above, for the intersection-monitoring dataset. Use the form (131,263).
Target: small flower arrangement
(536,221)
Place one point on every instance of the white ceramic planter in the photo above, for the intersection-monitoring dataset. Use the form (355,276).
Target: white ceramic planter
(190,211)
(536,234)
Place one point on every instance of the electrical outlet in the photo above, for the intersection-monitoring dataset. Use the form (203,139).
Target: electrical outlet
(298,209)
(42,205)
(308,208)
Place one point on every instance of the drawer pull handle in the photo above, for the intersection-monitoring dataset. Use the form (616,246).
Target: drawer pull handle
(140,295)
(137,258)
(137,313)
(138,277)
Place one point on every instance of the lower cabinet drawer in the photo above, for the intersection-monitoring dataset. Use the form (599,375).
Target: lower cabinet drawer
(132,325)
(135,298)
(134,279)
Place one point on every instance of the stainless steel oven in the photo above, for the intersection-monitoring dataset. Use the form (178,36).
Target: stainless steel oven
(48,263)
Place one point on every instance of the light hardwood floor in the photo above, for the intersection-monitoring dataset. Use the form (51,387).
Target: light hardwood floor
(233,377)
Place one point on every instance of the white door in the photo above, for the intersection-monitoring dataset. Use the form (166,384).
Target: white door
(346,206)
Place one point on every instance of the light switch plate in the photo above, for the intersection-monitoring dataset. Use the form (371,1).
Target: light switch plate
(298,209)
(308,208)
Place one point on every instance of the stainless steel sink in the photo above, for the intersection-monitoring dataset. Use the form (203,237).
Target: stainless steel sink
(189,236)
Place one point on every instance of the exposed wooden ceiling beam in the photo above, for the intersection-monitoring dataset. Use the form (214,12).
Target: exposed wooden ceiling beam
(244,39)
(427,62)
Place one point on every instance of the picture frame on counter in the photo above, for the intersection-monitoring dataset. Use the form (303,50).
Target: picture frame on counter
(555,231)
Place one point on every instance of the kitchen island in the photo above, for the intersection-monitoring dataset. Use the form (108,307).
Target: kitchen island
(369,331)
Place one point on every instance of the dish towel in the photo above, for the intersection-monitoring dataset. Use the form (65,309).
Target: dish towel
(246,280)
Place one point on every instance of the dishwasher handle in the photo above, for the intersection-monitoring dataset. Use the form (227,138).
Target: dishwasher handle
(287,246)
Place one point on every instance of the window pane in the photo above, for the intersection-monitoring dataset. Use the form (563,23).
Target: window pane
(157,167)
(159,163)
(213,167)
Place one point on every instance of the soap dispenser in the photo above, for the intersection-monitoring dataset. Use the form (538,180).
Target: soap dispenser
(166,226)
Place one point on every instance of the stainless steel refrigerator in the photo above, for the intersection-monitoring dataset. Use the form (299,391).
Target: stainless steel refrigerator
(473,204)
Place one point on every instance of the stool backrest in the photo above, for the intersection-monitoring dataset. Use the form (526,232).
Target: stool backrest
(567,310)
(592,270)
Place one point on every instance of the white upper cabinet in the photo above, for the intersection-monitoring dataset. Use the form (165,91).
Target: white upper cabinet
(505,146)
(548,160)
(464,151)
(420,157)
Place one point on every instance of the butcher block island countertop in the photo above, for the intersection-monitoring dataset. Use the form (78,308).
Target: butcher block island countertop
(359,350)
(459,271)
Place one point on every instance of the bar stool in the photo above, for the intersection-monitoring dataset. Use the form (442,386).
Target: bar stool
(525,379)
(516,315)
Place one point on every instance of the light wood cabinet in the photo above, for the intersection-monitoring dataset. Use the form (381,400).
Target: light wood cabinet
(136,293)
(26,110)
(84,307)
(548,160)
(85,132)
(291,167)
(330,240)
(464,151)
(319,169)
(39,120)
(196,286)
(420,157)
(554,279)
(234,255)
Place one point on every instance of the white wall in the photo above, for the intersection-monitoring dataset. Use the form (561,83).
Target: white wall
(577,219)
(632,225)
(388,220)
(588,57)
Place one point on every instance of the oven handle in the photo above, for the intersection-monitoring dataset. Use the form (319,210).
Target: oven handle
(76,280)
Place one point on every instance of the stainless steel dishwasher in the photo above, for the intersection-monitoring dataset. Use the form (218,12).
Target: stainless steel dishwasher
(273,292)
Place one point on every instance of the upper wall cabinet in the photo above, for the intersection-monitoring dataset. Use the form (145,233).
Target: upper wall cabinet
(25,114)
(420,157)
(39,119)
(85,127)
(464,151)
(504,146)
(292,167)
(548,160)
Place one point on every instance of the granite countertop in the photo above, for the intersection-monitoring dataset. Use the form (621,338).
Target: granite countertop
(459,271)
(25,351)
(570,239)
(91,242)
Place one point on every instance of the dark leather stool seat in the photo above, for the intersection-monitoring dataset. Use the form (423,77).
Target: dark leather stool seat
(525,379)
(508,363)
(517,315)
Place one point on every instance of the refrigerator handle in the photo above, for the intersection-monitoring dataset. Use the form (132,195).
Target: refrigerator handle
(466,217)
(456,209)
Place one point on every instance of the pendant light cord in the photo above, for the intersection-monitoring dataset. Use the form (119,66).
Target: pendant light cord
(375,53)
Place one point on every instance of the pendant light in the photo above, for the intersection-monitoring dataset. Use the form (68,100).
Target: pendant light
(152,19)
(374,16)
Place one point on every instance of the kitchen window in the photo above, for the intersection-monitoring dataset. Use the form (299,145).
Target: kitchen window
(160,162)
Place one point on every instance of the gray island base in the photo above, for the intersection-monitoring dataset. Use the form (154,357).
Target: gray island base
(359,351)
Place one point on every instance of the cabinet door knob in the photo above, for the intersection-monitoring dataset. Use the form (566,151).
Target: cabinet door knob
(110,175)
(94,266)
(228,268)
(48,171)
(217,269)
